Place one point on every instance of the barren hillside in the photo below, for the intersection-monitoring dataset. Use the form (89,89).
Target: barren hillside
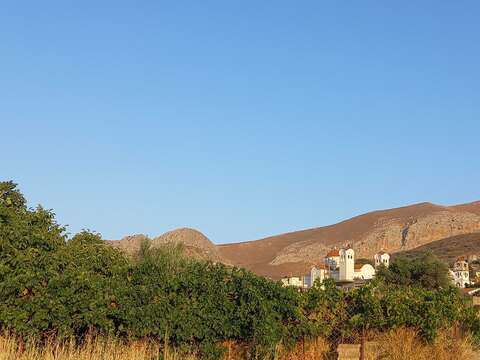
(449,249)
(391,230)
(195,243)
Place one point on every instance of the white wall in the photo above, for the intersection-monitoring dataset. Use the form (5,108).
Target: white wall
(347,264)
(382,259)
(366,272)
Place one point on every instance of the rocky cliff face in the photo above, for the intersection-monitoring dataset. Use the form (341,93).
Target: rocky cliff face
(449,249)
(391,230)
(395,235)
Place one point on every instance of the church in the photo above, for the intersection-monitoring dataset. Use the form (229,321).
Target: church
(339,265)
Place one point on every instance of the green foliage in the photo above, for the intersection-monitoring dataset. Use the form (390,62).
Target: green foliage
(325,309)
(364,261)
(425,271)
(10,196)
(365,307)
(29,241)
(424,309)
(51,286)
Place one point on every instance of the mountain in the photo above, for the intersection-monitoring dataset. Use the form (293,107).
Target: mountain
(391,230)
(195,243)
(448,249)
(406,229)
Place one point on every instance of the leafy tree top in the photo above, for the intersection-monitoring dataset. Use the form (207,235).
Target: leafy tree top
(425,271)
(10,196)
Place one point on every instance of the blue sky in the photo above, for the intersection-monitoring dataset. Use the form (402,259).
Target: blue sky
(239,118)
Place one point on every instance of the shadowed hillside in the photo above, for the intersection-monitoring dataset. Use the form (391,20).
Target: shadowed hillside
(450,248)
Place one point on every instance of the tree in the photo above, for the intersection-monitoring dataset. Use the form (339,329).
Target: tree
(53,287)
(364,261)
(425,271)
(29,241)
(10,196)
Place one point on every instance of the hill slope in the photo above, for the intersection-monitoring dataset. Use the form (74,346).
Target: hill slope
(390,230)
(195,243)
(449,249)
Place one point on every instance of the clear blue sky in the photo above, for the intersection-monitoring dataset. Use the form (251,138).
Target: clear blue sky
(239,118)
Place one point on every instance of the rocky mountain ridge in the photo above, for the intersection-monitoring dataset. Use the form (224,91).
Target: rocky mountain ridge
(393,230)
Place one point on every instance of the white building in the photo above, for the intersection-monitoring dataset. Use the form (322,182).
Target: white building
(339,265)
(460,273)
(363,272)
(332,260)
(296,281)
(319,273)
(306,281)
(382,258)
(347,264)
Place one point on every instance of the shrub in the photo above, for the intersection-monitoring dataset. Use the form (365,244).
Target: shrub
(54,287)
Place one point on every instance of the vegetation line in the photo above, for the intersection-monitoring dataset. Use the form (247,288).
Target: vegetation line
(81,296)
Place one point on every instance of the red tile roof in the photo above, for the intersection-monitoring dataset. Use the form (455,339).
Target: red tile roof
(333,253)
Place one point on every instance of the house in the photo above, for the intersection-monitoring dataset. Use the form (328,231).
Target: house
(474,276)
(460,273)
(295,281)
(382,258)
(319,273)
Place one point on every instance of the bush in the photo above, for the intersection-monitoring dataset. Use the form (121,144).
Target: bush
(54,287)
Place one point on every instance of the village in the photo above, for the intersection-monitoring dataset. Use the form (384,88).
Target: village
(340,265)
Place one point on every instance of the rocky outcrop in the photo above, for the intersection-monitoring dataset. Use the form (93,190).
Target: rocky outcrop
(388,234)
(129,244)
(397,235)
(194,242)
(449,249)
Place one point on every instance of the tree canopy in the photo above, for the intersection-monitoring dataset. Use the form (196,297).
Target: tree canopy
(52,286)
(426,271)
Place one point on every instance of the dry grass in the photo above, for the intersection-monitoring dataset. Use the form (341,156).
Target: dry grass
(404,344)
(400,344)
(14,349)
(309,350)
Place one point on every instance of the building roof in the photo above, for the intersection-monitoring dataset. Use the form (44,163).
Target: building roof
(381,253)
(358,266)
(470,291)
(333,253)
(320,266)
